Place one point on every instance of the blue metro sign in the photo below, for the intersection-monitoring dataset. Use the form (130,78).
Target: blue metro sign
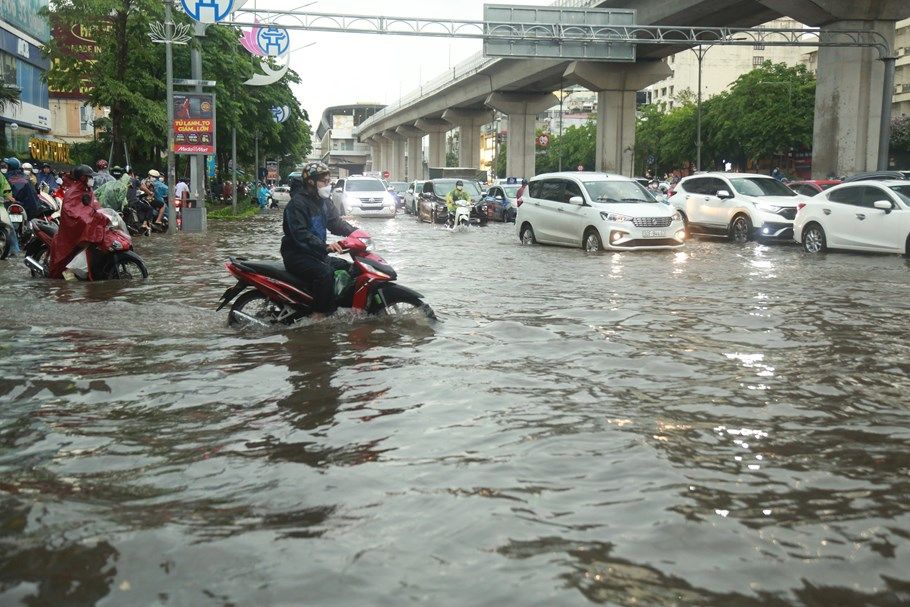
(208,11)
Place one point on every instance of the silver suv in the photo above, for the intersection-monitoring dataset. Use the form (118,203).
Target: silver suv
(738,206)
(363,196)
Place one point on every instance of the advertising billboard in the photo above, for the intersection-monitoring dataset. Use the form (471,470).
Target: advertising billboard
(78,42)
(194,123)
(342,127)
(271,168)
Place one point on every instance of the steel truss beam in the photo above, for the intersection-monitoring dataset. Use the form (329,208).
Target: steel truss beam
(529,32)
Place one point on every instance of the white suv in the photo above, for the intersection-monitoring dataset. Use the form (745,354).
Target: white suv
(596,211)
(739,206)
(363,196)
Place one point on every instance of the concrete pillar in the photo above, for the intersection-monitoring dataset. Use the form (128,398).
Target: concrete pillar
(436,129)
(375,155)
(616,85)
(522,111)
(385,154)
(848,104)
(396,161)
(468,123)
(415,151)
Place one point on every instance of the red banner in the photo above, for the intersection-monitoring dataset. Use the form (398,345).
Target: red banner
(194,123)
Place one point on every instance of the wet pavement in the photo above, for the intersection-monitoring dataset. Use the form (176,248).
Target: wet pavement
(722,425)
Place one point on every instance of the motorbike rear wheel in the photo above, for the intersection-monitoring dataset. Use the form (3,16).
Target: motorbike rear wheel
(253,309)
(127,268)
(6,240)
(37,250)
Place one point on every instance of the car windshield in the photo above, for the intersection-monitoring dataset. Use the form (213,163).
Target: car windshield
(760,186)
(618,191)
(400,186)
(364,185)
(444,186)
(903,191)
(510,190)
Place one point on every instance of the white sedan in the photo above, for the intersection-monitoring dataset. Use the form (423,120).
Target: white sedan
(596,211)
(869,216)
(281,194)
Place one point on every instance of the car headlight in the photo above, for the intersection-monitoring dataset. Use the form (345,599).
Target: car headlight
(677,216)
(618,217)
(351,199)
(768,208)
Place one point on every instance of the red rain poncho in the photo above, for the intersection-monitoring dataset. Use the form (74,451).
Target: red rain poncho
(80,224)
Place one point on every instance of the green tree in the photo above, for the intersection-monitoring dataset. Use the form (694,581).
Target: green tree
(502,160)
(900,134)
(768,111)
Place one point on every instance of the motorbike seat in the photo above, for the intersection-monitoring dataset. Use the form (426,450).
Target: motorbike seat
(273,269)
(48,227)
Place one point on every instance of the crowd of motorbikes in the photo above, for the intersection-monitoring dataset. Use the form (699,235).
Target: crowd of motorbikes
(113,258)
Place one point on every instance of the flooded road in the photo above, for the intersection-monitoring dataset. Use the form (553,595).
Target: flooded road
(718,426)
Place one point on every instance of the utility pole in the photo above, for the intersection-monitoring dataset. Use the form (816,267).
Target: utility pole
(197,164)
(234,169)
(171,169)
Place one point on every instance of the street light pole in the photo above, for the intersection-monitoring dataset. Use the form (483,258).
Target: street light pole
(700,52)
(169,59)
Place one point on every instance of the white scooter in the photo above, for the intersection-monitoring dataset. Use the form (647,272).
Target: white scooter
(462,215)
(6,232)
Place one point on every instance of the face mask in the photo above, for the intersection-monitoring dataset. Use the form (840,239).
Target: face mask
(459,188)
(3,171)
(91,182)
(325,191)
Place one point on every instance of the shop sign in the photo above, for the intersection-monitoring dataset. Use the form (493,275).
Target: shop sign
(49,151)
(194,123)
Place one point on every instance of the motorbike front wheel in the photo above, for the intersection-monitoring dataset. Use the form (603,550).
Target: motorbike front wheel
(402,304)
(252,309)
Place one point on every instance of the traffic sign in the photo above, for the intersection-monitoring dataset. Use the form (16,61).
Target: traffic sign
(581,167)
(543,140)
(386,174)
(208,11)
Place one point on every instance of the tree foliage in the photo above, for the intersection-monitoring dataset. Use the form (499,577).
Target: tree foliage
(128,76)
(900,134)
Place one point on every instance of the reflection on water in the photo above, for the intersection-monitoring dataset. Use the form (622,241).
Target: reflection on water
(721,426)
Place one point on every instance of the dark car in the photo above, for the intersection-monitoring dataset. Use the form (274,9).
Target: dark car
(398,189)
(501,202)
(875,176)
(432,204)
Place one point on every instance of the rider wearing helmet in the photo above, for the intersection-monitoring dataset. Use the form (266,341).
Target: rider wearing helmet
(452,199)
(112,195)
(307,218)
(102,176)
(80,221)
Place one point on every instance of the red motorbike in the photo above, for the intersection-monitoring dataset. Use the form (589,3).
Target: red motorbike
(270,295)
(114,258)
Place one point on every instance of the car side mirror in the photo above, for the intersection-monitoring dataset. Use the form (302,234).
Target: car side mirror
(410,191)
(338,190)
(884,205)
(724,194)
(578,200)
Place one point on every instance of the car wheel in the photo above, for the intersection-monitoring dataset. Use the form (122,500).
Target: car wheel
(814,240)
(527,235)
(592,242)
(907,248)
(741,229)
(685,224)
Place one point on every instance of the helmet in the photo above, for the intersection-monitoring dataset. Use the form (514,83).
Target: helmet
(26,166)
(83,170)
(117,171)
(101,164)
(154,173)
(459,183)
(13,163)
(313,170)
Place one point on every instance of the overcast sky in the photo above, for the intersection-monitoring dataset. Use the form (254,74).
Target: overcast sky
(352,68)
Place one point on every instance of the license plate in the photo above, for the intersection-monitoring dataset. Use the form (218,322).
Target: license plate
(653,233)
(17,218)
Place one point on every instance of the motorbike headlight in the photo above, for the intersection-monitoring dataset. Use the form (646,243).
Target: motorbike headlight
(617,217)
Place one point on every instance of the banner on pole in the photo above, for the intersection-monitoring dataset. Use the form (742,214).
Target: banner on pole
(194,123)
(272,170)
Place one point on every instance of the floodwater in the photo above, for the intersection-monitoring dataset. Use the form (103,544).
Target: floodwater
(722,426)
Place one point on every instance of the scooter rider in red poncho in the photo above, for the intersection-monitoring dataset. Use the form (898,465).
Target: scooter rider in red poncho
(80,221)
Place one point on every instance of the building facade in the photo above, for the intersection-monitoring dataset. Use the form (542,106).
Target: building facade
(902,69)
(338,146)
(23,31)
(721,66)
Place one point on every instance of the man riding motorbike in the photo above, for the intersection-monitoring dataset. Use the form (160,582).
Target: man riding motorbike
(23,192)
(112,195)
(452,199)
(307,218)
(80,221)
(47,177)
